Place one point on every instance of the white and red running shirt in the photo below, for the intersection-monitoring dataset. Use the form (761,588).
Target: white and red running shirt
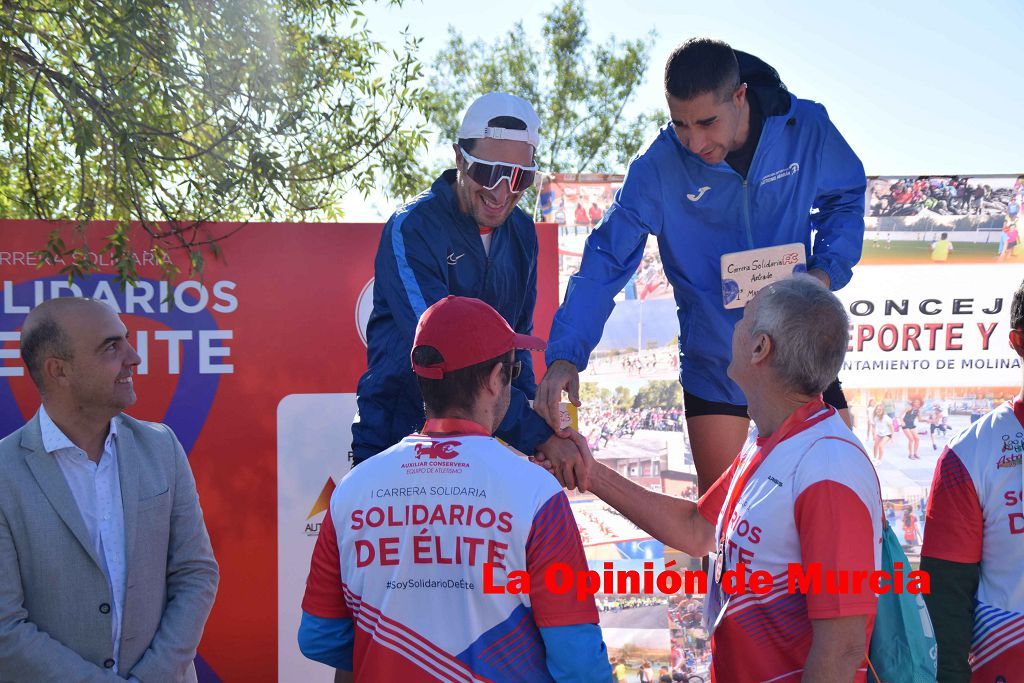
(814,500)
(402,553)
(975,514)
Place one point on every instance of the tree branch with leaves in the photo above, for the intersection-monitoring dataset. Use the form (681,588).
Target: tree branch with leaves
(178,115)
(580,90)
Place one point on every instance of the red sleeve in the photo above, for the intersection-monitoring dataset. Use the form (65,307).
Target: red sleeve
(555,539)
(325,596)
(954,524)
(836,533)
(711,503)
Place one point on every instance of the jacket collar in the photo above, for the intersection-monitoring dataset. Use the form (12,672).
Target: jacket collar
(763,79)
(51,481)
(53,439)
(50,477)
(444,188)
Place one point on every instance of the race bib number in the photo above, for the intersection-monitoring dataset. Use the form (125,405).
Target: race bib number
(745,273)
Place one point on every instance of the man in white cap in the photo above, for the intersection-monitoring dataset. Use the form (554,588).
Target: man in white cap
(464,236)
(398,582)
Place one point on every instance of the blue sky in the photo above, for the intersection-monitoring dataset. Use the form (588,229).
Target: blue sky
(916,88)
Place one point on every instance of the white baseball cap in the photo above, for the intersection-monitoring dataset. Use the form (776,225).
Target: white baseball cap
(495,104)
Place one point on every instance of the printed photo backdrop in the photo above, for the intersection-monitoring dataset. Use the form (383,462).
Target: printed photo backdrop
(929,310)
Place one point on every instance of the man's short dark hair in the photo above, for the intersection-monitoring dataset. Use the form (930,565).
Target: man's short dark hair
(702,65)
(510,122)
(1017,309)
(44,340)
(457,390)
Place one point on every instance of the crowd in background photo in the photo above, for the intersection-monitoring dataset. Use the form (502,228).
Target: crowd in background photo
(644,363)
(603,424)
(954,196)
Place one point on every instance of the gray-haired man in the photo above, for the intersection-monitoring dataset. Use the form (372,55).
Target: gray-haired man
(801,492)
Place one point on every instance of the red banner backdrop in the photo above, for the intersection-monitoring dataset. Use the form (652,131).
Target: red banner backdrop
(278,316)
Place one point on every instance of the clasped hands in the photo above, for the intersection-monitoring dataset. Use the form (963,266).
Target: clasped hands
(565,455)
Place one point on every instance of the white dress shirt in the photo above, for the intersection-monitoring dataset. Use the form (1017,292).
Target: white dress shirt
(97,491)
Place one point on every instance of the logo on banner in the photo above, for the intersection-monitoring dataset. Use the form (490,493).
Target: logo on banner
(323,502)
(364,307)
(792,169)
(434,450)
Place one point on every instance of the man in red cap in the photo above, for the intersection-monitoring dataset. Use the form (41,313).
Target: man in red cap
(396,588)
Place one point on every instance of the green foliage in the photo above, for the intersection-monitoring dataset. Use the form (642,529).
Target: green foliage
(592,392)
(580,90)
(177,114)
(659,393)
(623,399)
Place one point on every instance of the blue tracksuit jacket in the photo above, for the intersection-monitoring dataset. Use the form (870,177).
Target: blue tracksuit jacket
(803,179)
(430,249)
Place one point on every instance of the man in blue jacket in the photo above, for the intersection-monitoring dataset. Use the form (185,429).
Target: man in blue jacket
(743,165)
(464,236)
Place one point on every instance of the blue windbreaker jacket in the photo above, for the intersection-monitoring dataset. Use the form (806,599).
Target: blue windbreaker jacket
(801,164)
(428,250)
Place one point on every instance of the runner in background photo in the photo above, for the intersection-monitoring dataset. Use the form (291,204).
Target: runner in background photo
(882,429)
(941,248)
(908,423)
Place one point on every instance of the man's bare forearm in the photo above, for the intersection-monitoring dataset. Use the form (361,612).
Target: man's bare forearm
(837,650)
(671,520)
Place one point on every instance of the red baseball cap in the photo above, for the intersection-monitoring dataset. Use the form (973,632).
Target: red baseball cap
(466,331)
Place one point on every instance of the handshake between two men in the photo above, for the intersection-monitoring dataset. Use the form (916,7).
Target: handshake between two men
(566,455)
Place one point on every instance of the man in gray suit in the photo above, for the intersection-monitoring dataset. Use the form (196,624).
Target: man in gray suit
(106,568)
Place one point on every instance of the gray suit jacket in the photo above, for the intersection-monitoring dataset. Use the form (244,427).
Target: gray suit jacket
(54,598)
